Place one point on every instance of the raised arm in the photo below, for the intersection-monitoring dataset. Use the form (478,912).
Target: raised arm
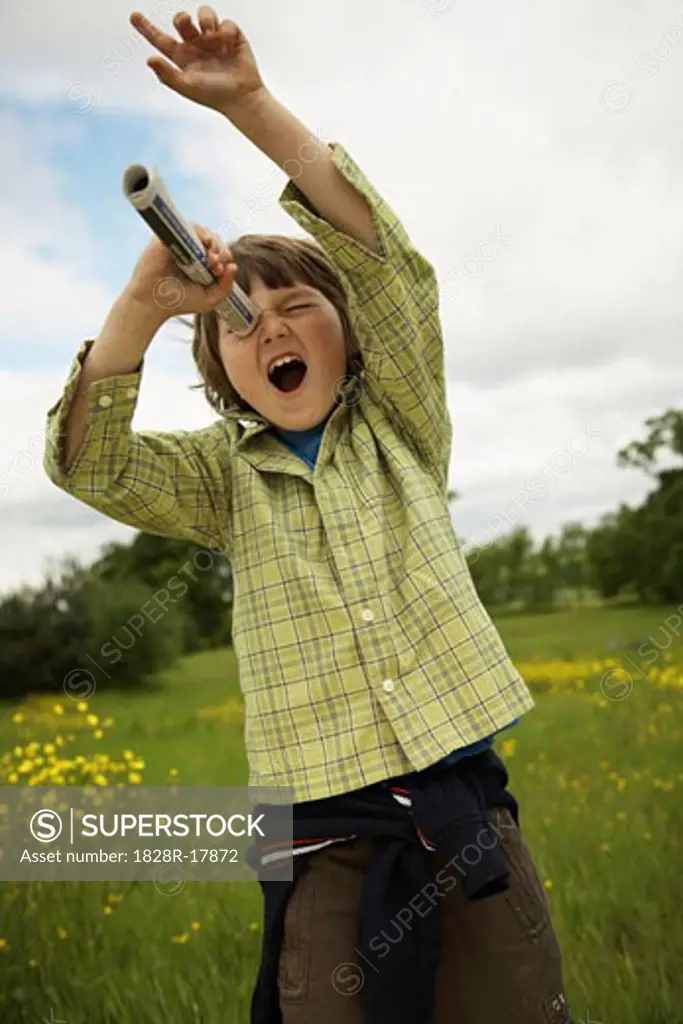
(213,65)
(392,288)
(174,484)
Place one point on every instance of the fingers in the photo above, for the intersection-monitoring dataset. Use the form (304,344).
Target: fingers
(217,262)
(208,19)
(210,239)
(186,28)
(165,44)
(167,73)
(218,254)
(222,286)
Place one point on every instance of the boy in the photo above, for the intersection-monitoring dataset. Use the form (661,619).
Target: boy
(373,679)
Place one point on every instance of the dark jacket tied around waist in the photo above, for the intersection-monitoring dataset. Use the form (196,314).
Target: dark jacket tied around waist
(443,807)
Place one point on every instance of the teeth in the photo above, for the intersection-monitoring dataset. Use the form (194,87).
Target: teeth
(281,362)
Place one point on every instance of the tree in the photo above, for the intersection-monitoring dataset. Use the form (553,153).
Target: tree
(612,550)
(76,631)
(572,570)
(174,571)
(650,538)
(665,433)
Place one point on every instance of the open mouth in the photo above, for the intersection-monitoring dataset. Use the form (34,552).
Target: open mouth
(287,374)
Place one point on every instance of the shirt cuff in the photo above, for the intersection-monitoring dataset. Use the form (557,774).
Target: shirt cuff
(111,401)
(347,253)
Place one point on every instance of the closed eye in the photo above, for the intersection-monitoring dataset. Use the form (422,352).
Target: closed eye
(303,305)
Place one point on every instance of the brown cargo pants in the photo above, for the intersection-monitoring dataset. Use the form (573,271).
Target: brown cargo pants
(500,960)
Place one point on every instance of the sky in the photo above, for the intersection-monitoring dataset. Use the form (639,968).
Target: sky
(532,150)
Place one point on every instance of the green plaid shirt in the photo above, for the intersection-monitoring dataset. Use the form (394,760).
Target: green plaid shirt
(363,648)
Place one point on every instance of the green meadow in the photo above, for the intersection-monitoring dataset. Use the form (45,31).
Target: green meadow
(597,768)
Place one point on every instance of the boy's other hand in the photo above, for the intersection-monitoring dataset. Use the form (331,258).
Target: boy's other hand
(213,65)
(159,285)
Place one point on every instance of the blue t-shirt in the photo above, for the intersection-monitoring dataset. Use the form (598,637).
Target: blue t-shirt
(306,444)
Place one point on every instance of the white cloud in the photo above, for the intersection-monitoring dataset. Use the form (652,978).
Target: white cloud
(46,247)
(543,451)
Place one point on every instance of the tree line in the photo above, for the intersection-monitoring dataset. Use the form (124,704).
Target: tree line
(141,605)
(634,553)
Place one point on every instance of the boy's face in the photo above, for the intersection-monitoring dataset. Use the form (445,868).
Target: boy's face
(297,320)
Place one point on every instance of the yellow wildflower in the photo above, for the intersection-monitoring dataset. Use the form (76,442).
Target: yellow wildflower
(254,926)
(137,764)
(58,709)
(3,944)
(62,933)
(49,748)
(134,778)
(12,778)
(100,779)
(115,897)
(508,748)
(92,719)
(547,884)
(98,734)
(195,926)
(173,771)
(18,718)
(183,937)
(107,910)
(128,755)
(107,721)
(32,962)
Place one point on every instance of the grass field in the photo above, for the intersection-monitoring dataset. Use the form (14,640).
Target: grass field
(597,769)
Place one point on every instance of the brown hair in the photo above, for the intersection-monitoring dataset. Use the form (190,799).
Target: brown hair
(280,261)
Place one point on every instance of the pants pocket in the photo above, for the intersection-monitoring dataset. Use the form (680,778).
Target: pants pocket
(295,954)
(526,896)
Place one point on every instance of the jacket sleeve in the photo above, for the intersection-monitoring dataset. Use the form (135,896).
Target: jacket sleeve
(394,306)
(174,484)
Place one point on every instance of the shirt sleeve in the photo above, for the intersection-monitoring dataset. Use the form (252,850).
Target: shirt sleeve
(172,484)
(394,305)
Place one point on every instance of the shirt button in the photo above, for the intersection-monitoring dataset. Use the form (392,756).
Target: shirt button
(368,614)
(105,400)
(388,685)
(131,393)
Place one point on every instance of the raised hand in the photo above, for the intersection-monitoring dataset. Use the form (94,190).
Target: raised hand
(213,65)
